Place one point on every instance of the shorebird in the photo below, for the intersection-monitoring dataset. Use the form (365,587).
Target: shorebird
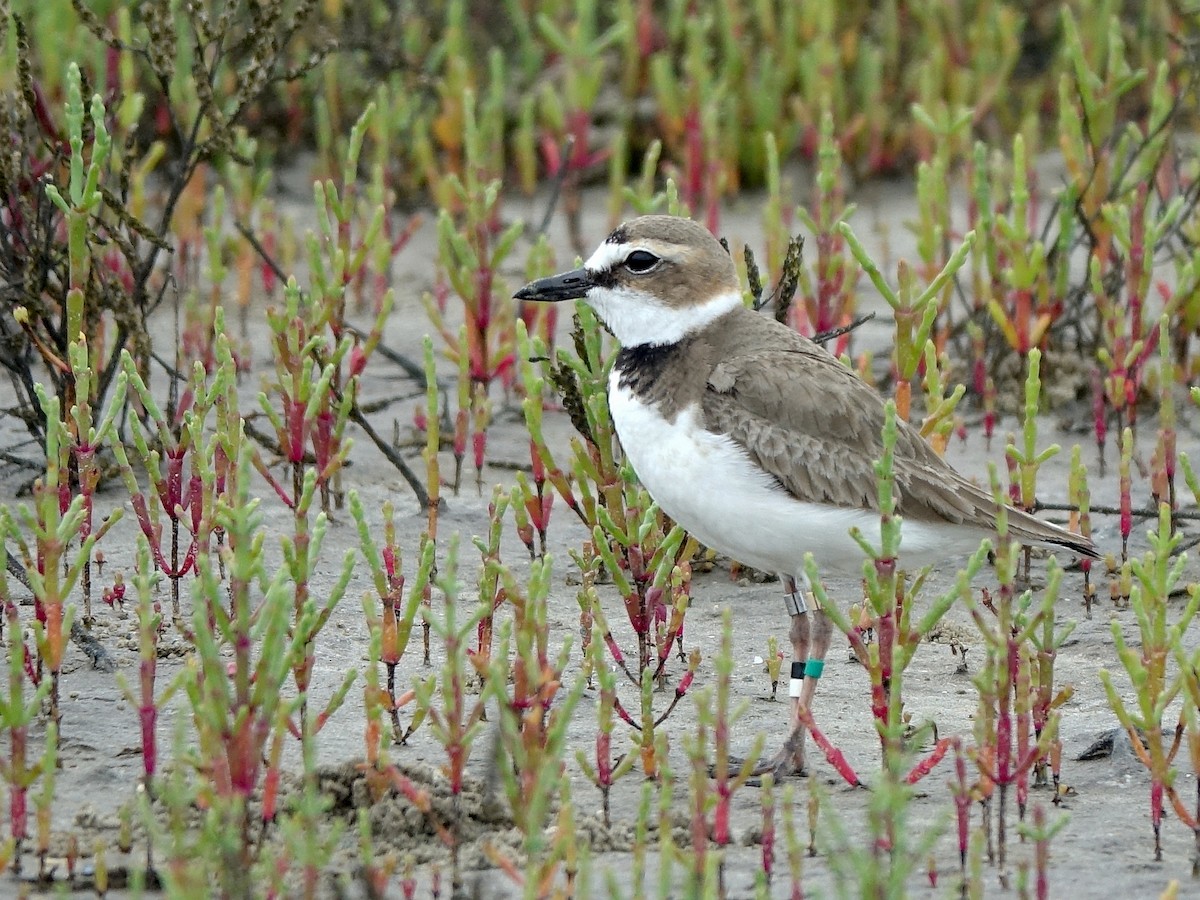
(758,441)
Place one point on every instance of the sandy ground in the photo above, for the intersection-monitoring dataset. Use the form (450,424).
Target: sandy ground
(1104,850)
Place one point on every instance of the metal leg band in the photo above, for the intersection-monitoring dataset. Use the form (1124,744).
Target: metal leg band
(795,603)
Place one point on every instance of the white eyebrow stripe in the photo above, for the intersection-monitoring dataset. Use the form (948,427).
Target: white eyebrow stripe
(608,256)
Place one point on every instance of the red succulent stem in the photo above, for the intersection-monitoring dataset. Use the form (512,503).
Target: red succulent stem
(835,756)
(297,431)
(962,804)
(604,767)
(768,837)
(615,650)
(1041,855)
(323,439)
(1156,811)
(18,807)
(693,161)
(925,766)
(1099,413)
(721,814)
(684,683)
(148,716)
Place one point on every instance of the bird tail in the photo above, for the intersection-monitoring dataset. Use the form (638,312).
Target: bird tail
(1029,529)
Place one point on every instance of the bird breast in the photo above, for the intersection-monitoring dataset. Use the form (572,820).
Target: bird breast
(708,484)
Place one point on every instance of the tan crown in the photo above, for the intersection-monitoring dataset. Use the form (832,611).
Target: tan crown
(694,268)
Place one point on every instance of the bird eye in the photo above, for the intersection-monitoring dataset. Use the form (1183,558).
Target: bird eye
(639,262)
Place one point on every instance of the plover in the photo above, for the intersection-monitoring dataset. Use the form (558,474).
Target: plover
(758,441)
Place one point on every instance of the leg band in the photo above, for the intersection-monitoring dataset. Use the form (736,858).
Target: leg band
(797,680)
(795,603)
(814,667)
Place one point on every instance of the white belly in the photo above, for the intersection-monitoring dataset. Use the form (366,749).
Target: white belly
(708,484)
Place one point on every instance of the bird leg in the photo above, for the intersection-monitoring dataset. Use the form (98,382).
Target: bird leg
(810,634)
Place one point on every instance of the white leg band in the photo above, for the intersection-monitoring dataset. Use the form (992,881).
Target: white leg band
(797,680)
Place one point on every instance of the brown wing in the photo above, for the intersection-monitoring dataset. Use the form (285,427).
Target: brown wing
(811,423)
(816,428)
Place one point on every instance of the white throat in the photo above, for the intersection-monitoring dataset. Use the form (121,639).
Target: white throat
(636,318)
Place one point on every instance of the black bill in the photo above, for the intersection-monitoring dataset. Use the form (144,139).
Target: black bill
(572,285)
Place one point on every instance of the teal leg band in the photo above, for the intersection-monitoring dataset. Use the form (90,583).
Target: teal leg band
(813,668)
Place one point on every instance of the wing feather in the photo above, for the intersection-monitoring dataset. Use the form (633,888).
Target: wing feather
(817,431)
(816,428)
